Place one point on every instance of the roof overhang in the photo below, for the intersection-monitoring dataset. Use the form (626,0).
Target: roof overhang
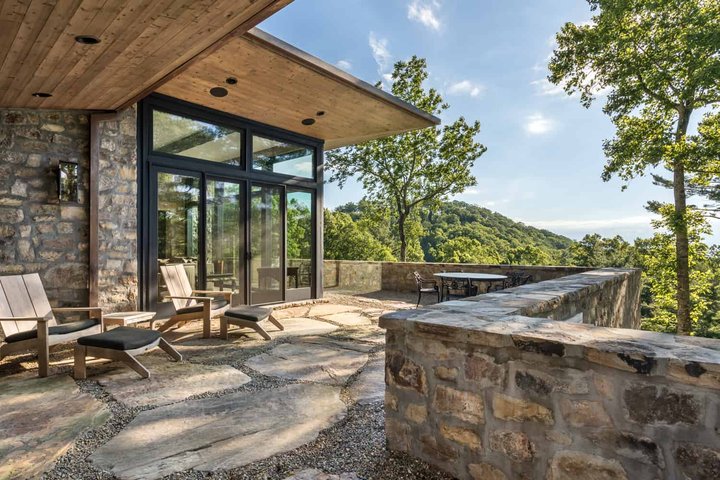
(183,48)
(280,85)
(142,44)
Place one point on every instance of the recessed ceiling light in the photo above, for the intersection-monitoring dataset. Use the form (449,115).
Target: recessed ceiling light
(308,121)
(87,39)
(320,113)
(218,92)
(42,95)
(231,80)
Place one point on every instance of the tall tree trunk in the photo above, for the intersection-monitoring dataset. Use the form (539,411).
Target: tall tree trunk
(401,236)
(682,244)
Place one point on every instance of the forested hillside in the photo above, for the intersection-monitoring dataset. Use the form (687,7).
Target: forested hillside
(452,232)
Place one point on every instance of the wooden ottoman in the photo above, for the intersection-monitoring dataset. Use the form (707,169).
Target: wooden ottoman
(121,344)
(249,317)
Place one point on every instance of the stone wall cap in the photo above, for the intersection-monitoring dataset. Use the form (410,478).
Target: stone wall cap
(499,319)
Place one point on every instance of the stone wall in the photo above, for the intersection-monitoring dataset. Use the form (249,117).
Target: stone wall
(37,233)
(117,215)
(358,276)
(398,276)
(362,276)
(485,393)
(608,297)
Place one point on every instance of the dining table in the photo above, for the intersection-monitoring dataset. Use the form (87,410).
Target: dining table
(471,277)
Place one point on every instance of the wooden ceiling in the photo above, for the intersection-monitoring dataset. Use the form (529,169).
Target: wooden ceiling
(142,44)
(280,85)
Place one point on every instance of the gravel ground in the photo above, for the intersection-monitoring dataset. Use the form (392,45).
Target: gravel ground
(355,444)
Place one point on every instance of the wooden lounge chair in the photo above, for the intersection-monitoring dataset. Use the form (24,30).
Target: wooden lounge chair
(28,321)
(189,305)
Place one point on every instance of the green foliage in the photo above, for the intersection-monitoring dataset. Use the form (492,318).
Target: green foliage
(657,258)
(596,251)
(463,233)
(407,172)
(465,250)
(503,239)
(527,255)
(345,240)
(660,59)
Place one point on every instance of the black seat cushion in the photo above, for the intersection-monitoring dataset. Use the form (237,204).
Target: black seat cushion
(254,314)
(121,338)
(61,329)
(214,305)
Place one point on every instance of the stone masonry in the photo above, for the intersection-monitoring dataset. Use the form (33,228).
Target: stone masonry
(37,233)
(117,215)
(362,276)
(485,392)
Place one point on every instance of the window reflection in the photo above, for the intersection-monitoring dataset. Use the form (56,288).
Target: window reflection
(184,136)
(299,239)
(266,244)
(282,157)
(223,234)
(178,224)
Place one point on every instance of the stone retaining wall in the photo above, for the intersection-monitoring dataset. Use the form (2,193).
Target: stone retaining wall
(362,276)
(398,276)
(485,392)
(359,276)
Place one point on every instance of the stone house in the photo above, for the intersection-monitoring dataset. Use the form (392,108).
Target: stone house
(134,135)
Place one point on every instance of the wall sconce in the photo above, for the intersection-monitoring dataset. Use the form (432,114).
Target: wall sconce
(68,173)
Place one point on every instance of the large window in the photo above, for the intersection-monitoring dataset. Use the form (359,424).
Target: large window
(232,202)
(187,137)
(283,157)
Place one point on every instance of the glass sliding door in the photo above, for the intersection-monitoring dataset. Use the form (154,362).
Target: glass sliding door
(235,204)
(267,273)
(178,227)
(298,277)
(224,236)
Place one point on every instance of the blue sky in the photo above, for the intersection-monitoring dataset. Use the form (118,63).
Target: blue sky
(489,60)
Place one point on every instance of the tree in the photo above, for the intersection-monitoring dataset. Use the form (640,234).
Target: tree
(415,169)
(344,240)
(465,250)
(660,59)
(657,256)
(527,255)
(596,251)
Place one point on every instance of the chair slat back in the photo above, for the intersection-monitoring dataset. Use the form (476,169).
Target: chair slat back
(178,284)
(23,296)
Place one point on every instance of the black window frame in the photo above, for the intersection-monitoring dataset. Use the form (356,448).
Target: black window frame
(149,159)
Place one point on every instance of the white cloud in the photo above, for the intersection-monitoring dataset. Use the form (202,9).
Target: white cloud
(383,58)
(380,52)
(425,12)
(593,224)
(471,191)
(344,65)
(466,87)
(547,88)
(538,124)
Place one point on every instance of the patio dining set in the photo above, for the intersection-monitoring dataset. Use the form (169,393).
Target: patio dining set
(29,323)
(450,285)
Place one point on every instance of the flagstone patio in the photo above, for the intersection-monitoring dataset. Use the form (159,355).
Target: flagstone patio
(306,405)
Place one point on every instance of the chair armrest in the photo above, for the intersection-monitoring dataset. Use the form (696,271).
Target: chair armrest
(214,293)
(199,299)
(25,319)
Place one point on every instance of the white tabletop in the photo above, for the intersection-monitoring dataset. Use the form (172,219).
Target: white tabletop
(473,276)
